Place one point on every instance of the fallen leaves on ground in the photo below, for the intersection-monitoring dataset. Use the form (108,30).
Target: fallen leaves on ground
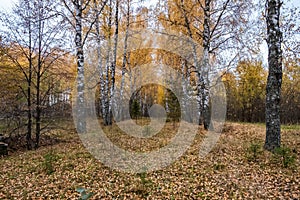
(225,173)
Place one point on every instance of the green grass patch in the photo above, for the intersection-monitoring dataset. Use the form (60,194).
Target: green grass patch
(290,127)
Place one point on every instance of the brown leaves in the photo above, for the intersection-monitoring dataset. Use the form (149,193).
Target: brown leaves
(224,173)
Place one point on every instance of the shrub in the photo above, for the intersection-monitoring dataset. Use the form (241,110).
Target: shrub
(285,156)
(49,160)
(254,151)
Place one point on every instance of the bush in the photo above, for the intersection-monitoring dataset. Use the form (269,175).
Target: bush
(49,160)
(254,151)
(285,156)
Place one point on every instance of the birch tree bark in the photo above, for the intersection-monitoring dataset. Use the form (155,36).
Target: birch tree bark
(81,120)
(204,82)
(76,9)
(273,89)
(114,63)
(106,115)
(196,64)
(99,57)
(124,61)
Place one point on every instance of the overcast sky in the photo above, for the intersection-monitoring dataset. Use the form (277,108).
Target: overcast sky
(6,4)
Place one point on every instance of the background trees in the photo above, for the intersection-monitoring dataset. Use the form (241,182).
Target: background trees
(246,92)
(38,57)
(32,50)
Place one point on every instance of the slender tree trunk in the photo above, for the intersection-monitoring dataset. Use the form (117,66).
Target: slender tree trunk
(99,57)
(114,62)
(196,63)
(81,118)
(205,68)
(125,58)
(107,69)
(29,81)
(29,104)
(38,82)
(273,89)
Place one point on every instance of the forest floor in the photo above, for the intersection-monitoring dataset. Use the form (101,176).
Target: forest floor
(236,168)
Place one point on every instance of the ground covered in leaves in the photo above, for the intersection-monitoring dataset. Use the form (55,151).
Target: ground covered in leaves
(236,168)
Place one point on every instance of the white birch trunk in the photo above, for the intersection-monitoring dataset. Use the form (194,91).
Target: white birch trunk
(81,118)
(125,58)
(107,69)
(99,60)
(204,82)
(114,63)
(196,65)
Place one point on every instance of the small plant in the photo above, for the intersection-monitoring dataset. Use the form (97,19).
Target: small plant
(84,194)
(49,160)
(143,177)
(285,156)
(143,188)
(218,166)
(254,151)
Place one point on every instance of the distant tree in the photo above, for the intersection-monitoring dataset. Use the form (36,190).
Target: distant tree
(251,83)
(290,104)
(174,112)
(135,109)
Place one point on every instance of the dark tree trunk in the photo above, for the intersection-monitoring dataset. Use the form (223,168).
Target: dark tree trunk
(273,90)
(29,111)
(100,67)
(29,81)
(38,81)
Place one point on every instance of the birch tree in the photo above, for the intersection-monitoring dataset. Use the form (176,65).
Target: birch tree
(125,56)
(77,9)
(111,67)
(273,89)
(212,24)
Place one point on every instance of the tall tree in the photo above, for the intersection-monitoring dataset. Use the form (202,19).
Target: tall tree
(213,24)
(77,9)
(49,34)
(33,40)
(273,89)
(125,57)
(22,21)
